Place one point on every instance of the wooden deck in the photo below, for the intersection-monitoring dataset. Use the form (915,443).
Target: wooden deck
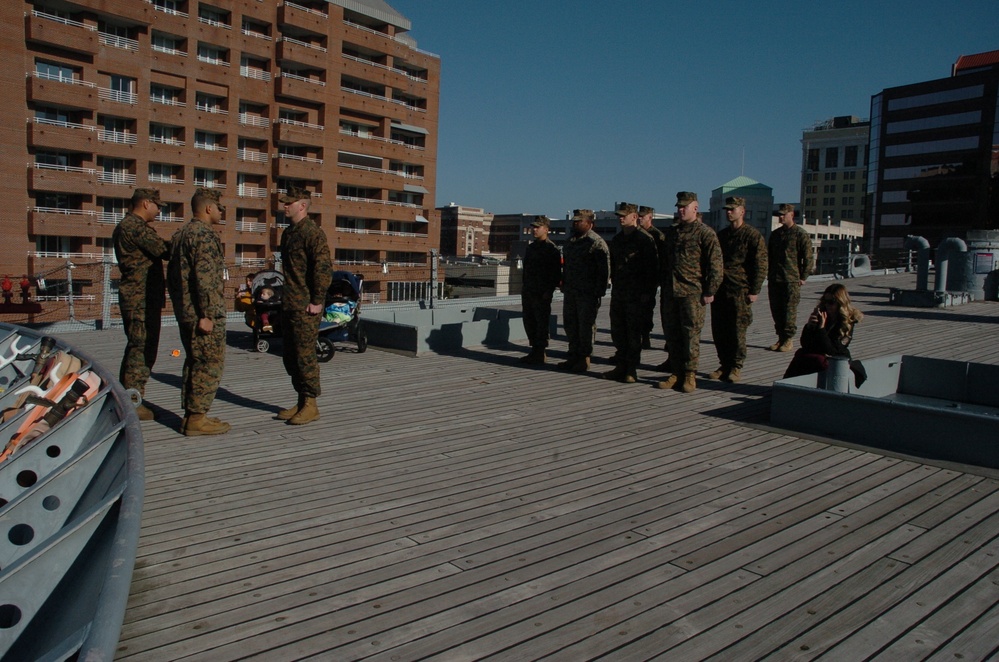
(463,507)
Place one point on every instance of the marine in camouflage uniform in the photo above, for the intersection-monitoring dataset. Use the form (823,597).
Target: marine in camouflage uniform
(195,279)
(308,271)
(584,284)
(645,216)
(790,254)
(141,291)
(634,267)
(691,274)
(745,257)
(542,274)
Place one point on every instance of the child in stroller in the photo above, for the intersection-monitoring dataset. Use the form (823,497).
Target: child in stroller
(265,294)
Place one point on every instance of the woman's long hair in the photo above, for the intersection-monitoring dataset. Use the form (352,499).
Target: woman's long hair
(848,315)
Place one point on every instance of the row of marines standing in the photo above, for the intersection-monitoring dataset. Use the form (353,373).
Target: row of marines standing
(195,280)
(693,267)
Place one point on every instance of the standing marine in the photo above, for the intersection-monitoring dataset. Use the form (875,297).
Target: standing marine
(308,271)
(584,284)
(542,274)
(744,254)
(195,277)
(140,252)
(691,274)
(634,275)
(790,255)
(645,216)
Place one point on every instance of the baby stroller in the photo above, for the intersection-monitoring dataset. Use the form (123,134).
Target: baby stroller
(342,318)
(265,320)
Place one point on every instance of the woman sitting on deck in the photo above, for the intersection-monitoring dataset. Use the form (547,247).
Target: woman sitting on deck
(828,333)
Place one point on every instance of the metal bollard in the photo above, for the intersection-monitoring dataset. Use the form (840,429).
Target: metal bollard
(838,374)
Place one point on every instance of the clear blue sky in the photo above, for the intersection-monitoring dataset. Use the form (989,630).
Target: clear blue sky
(547,105)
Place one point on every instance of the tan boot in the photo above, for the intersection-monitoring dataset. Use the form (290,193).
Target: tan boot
(581,365)
(786,346)
(145,413)
(287,414)
(776,346)
(197,425)
(733,376)
(669,382)
(689,382)
(308,413)
(718,374)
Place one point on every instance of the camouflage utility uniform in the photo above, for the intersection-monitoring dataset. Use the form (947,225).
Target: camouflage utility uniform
(195,279)
(691,269)
(634,272)
(542,274)
(587,264)
(141,296)
(308,271)
(790,253)
(745,257)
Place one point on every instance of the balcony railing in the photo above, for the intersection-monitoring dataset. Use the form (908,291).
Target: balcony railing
(116,177)
(285,74)
(209,147)
(61,168)
(210,109)
(120,137)
(246,191)
(305,125)
(114,40)
(64,21)
(247,119)
(355,134)
(64,212)
(258,35)
(166,141)
(60,123)
(303,44)
(378,202)
(251,155)
(251,262)
(110,217)
(165,10)
(251,226)
(382,34)
(215,24)
(208,184)
(59,78)
(211,59)
(117,95)
(295,157)
(67,256)
(168,50)
(314,12)
(385,233)
(164,179)
(252,72)
(167,101)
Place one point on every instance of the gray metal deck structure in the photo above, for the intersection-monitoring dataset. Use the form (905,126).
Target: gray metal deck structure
(464,507)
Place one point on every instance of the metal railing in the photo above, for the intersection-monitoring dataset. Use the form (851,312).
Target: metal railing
(61,123)
(285,74)
(117,96)
(166,141)
(114,40)
(62,212)
(164,179)
(303,44)
(209,59)
(168,50)
(116,177)
(251,226)
(295,157)
(59,78)
(208,184)
(61,168)
(384,233)
(244,191)
(60,19)
(167,101)
(390,203)
(215,24)
(307,10)
(258,35)
(209,147)
(251,155)
(251,72)
(210,109)
(306,125)
(254,120)
(165,10)
(120,137)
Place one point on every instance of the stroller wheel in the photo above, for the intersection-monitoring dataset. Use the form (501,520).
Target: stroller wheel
(324,349)
(263,346)
(362,341)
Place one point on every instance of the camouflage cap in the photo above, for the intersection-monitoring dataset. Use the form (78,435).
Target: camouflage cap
(541,222)
(582,215)
(212,194)
(625,208)
(643,210)
(733,202)
(784,209)
(151,194)
(684,198)
(295,194)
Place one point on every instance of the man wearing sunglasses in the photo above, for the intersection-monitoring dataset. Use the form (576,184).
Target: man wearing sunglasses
(140,252)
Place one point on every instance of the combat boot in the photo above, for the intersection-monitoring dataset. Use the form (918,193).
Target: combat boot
(786,346)
(720,373)
(776,346)
(145,413)
(308,413)
(536,357)
(733,376)
(287,414)
(629,378)
(581,364)
(197,425)
(617,373)
(689,382)
(567,364)
(669,382)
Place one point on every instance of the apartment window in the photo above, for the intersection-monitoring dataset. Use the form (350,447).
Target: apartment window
(171,96)
(207,140)
(164,134)
(114,208)
(253,114)
(47,200)
(213,54)
(213,16)
(829,176)
(54,115)
(210,103)
(51,244)
(167,43)
(253,28)
(54,71)
(165,173)
(58,160)
(251,67)
(115,171)
(170,6)
(116,129)
(850,153)
(813,159)
(832,157)
(209,178)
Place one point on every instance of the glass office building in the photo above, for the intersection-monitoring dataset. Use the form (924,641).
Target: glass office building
(932,169)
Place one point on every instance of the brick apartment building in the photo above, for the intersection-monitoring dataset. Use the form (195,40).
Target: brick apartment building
(248,96)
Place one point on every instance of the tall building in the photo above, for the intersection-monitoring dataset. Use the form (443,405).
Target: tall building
(464,230)
(241,95)
(934,156)
(759,204)
(834,170)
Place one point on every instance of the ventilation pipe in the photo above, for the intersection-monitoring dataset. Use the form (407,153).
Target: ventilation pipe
(922,248)
(947,247)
